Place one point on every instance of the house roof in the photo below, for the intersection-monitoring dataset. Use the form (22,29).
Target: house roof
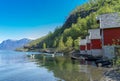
(94,34)
(111,20)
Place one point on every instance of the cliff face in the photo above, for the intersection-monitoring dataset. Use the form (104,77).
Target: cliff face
(13,44)
(72,19)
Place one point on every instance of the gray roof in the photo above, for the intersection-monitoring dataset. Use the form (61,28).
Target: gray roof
(111,20)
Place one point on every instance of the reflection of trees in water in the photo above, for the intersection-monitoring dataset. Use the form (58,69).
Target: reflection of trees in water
(67,69)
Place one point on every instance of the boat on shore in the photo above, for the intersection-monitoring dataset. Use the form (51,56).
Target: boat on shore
(86,57)
(53,54)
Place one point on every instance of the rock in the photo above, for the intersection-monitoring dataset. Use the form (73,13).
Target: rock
(111,75)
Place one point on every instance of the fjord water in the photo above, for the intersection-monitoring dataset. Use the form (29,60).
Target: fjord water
(19,66)
(15,66)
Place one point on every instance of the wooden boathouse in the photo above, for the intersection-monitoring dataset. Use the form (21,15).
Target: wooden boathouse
(104,40)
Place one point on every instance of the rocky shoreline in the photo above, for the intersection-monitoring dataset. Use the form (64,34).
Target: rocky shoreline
(111,75)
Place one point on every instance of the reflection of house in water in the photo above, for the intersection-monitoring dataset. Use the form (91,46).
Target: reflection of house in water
(105,40)
(83,68)
(91,72)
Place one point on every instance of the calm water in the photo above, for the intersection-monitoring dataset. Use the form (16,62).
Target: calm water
(18,66)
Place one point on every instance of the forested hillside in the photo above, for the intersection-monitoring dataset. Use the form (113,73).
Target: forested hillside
(76,26)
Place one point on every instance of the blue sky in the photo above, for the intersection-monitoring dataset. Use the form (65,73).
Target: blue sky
(33,18)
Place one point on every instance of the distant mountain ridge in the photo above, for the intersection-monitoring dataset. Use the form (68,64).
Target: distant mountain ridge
(13,44)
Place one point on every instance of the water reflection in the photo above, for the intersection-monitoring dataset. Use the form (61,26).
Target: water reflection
(7,59)
(16,66)
(70,70)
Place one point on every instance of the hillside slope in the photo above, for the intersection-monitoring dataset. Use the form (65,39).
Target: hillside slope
(76,26)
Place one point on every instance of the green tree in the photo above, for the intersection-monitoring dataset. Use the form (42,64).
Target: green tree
(44,45)
(77,24)
(76,43)
(69,42)
(61,45)
(106,9)
(54,43)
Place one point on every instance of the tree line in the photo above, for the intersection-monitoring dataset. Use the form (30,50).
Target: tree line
(69,37)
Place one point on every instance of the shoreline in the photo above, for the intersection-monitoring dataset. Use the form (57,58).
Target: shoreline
(111,75)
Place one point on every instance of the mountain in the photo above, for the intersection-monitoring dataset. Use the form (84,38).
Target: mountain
(76,25)
(13,44)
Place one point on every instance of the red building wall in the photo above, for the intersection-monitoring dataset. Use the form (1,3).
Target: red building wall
(82,47)
(88,46)
(111,36)
(96,44)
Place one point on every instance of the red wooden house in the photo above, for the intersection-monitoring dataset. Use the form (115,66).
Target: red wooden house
(110,28)
(83,46)
(110,32)
(88,48)
(106,39)
(95,45)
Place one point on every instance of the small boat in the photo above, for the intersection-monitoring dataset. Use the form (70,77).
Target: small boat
(85,56)
(53,54)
